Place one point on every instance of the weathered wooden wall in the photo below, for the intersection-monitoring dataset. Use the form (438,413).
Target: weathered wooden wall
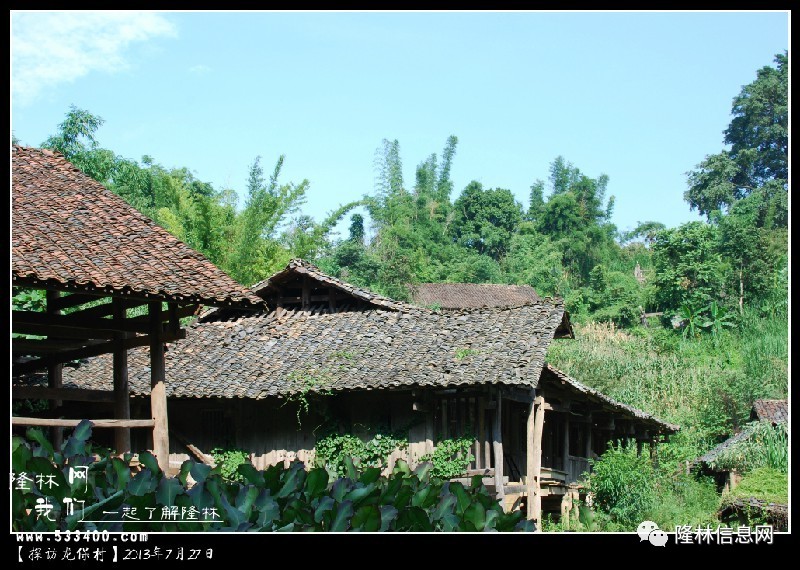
(268,429)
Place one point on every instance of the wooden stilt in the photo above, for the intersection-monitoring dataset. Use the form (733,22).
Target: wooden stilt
(122,407)
(158,389)
(530,463)
(497,437)
(54,372)
(538,428)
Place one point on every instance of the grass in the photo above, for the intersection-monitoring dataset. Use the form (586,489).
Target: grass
(705,385)
(764,483)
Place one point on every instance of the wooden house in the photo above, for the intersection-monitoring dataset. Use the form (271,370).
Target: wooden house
(363,361)
(773,411)
(98,260)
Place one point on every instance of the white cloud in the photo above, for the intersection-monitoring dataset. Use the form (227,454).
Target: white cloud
(48,48)
(199,69)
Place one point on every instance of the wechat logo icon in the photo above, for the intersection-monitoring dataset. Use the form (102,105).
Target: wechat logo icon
(648,530)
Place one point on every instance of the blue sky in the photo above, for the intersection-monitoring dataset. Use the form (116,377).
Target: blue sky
(642,97)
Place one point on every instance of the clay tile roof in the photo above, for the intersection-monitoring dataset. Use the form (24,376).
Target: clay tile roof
(775,411)
(303,267)
(711,456)
(261,355)
(596,394)
(68,231)
(472,295)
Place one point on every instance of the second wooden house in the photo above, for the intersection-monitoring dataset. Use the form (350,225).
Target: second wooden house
(363,362)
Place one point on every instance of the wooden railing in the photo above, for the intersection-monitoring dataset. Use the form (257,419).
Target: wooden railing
(577,466)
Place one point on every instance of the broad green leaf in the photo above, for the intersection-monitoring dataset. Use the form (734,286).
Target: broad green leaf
(36,435)
(341,520)
(349,468)
(150,462)
(403,496)
(186,468)
(269,510)
(461,495)
(233,516)
(388,515)
(367,519)
(168,489)
(251,474)
(490,519)
(423,470)
(199,472)
(370,475)
(476,514)
(325,504)
(357,494)
(340,489)
(292,482)
(122,471)
(142,483)
(445,507)
(316,482)
(246,498)
(413,519)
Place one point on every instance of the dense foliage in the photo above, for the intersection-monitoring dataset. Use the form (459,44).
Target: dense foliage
(276,499)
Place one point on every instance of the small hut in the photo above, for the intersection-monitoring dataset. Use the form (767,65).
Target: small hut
(98,259)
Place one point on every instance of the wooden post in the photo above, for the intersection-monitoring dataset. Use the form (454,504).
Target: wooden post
(530,463)
(654,451)
(54,373)
(122,404)
(538,428)
(487,452)
(429,429)
(589,438)
(332,299)
(565,447)
(158,389)
(306,292)
(497,436)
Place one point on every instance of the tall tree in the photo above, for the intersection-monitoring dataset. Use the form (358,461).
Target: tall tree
(756,166)
(485,220)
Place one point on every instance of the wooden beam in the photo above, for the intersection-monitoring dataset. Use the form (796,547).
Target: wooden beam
(67,394)
(46,346)
(158,389)
(497,437)
(180,312)
(204,458)
(74,321)
(63,333)
(88,352)
(122,403)
(518,395)
(75,299)
(58,422)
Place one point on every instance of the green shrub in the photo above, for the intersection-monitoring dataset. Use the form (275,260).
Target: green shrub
(623,484)
(451,457)
(331,450)
(275,499)
(228,461)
